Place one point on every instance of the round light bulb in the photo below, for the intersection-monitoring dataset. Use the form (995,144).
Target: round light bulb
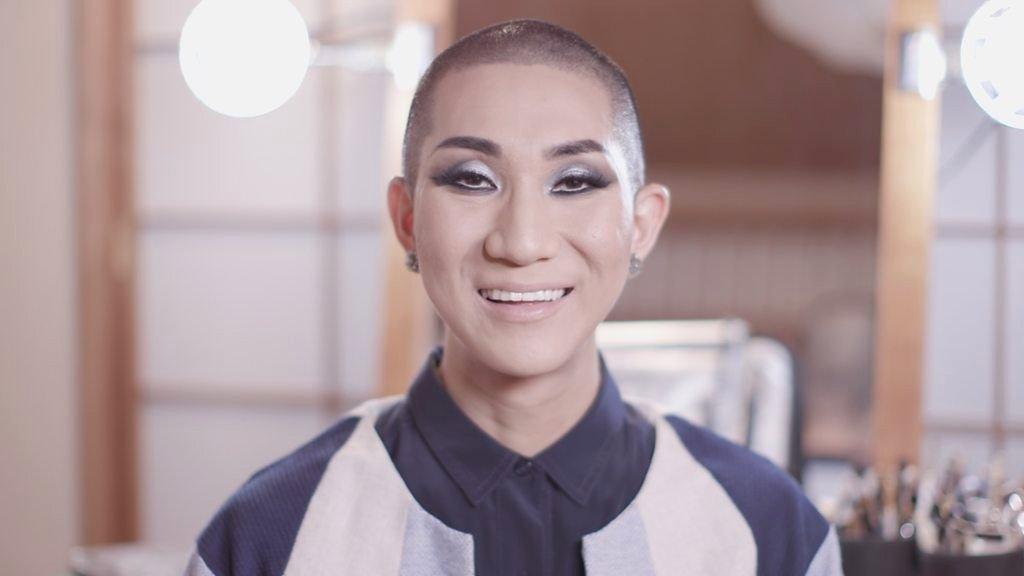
(992,58)
(244,58)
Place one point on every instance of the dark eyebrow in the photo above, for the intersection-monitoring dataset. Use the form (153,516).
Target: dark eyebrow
(481,145)
(573,148)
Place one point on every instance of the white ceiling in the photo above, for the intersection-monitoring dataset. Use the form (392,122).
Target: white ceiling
(846,34)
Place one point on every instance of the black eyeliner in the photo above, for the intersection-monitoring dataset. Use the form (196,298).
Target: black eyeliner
(592,181)
(446,176)
(452,175)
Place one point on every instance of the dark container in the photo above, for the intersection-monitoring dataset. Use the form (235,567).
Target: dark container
(877,557)
(1009,564)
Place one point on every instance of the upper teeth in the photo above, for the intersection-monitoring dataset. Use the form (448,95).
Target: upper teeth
(538,296)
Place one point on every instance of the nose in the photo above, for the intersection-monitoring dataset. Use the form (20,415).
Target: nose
(523,231)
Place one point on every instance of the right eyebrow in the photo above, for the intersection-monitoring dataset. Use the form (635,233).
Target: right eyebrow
(482,145)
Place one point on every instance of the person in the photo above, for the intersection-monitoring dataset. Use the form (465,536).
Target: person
(524,207)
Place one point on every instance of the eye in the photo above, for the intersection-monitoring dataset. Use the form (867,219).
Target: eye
(573,184)
(473,181)
(464,180)
(578,183)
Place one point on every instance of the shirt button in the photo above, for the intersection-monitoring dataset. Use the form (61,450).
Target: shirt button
(523,467)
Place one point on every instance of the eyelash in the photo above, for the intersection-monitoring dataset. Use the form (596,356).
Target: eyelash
(589,181)
(453,177)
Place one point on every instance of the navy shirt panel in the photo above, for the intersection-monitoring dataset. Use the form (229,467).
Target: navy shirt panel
(526,515)
(254,531)
(787,528)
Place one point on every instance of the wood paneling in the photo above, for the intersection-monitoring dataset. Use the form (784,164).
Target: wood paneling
(776,276)
(715,86)
(106,269)
(777,199)
(909,165)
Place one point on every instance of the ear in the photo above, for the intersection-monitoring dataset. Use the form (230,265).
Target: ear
(650,209)
(400,207)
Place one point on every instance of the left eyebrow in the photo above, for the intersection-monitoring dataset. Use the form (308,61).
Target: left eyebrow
(573,148)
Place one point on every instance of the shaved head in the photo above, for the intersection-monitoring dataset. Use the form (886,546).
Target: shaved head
(527,42)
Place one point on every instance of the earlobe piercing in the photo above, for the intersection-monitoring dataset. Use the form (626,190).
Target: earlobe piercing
(412,262)
(635,264)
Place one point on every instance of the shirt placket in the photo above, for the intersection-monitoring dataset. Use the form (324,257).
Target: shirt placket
(526,503)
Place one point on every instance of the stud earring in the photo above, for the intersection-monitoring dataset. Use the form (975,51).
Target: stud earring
(412,262)
(635,264)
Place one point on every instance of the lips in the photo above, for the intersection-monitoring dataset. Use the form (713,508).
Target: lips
(541,302)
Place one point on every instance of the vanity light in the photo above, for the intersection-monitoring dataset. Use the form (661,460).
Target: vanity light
(992,58)
(244,58)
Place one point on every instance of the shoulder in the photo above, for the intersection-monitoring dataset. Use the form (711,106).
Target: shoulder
(254,531)
(788,530)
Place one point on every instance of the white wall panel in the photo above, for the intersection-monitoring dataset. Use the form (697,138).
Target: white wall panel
(1015,176)
(958,363)
(192,458)
(362,187)
(1015,458)
(234,311)
(161,20)
(232,299)
(973,449)
(966,194)
(193,160)
(1015,332)
(360,306)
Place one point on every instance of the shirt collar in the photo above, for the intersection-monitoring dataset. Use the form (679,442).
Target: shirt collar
(477,462)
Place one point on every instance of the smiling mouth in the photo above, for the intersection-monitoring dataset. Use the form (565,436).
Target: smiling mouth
(511,297)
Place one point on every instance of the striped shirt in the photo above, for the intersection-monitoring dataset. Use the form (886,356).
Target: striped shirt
(410,486)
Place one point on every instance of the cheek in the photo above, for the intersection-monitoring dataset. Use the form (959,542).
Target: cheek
(445,236)
(601,233)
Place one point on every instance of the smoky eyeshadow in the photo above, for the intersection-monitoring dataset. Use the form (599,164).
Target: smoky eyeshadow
(451,175)
(593,179)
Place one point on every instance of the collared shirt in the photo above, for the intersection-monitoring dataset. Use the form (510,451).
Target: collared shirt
(527,515)
(409,486)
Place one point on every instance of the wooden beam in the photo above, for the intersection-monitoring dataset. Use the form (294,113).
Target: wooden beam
(408,316)
(910,135)
(105,270)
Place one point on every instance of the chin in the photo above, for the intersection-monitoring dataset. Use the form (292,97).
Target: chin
(525,356)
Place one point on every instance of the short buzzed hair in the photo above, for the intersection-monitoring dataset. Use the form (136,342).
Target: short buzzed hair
(527,42)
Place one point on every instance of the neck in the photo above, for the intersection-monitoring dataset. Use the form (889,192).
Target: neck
(524,414)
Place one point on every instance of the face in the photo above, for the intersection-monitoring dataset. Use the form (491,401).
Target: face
(522,217)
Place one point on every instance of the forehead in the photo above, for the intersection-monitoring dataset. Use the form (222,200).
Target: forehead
(524,106)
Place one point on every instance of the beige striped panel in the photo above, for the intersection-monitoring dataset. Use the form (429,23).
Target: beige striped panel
(691,523)
(363,520)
